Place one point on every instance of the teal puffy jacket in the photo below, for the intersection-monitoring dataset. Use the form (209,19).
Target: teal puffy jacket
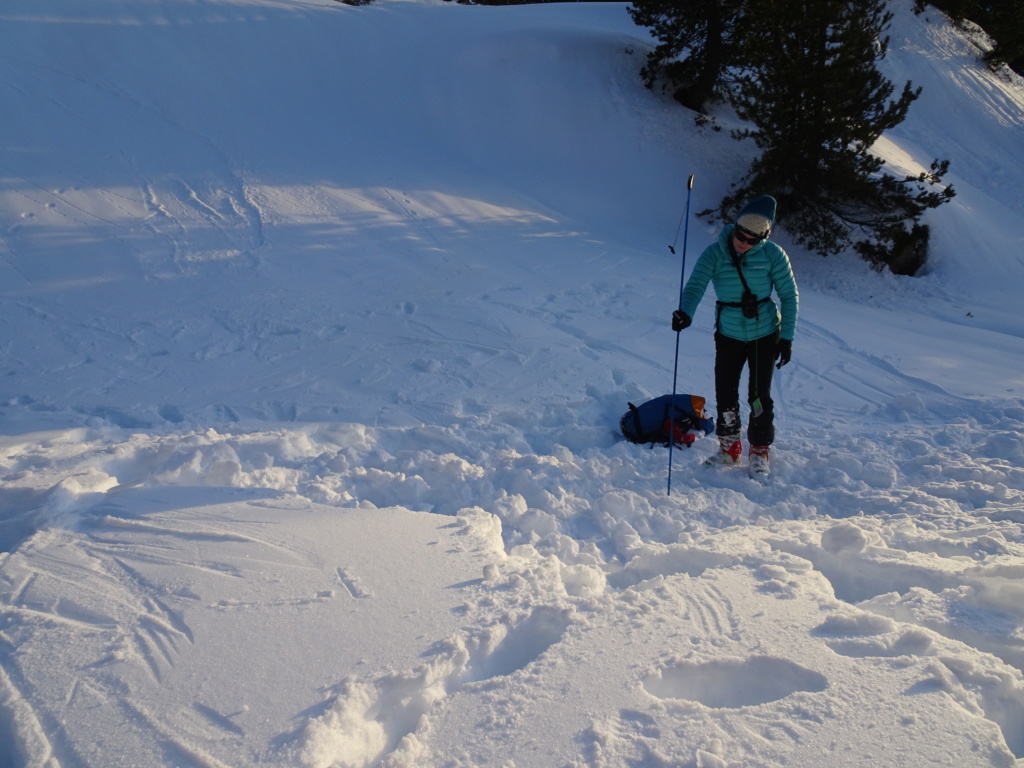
(765,266)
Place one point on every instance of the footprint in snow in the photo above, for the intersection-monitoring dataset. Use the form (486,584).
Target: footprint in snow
(868,634)
(369,719)
(733,683)
(524,643)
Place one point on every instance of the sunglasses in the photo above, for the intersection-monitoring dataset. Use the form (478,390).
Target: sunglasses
(746,236)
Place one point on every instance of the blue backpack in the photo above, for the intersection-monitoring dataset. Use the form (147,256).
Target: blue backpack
(681,416)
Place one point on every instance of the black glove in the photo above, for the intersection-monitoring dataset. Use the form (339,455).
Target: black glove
(783,352)
(680,320)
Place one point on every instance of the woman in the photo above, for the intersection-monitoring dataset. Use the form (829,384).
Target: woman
(749,328)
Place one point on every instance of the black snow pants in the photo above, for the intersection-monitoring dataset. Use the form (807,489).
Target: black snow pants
(759,357)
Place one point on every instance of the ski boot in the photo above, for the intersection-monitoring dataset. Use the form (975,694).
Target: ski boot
(729,446)
(729,451)
(758,466)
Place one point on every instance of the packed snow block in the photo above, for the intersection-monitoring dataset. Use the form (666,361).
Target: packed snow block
(679,418)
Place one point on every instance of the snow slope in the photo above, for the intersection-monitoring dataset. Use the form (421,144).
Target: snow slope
(316,323)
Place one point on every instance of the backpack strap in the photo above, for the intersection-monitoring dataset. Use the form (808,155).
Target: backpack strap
(720,305)
(638,427)
(736,263)
(642,434)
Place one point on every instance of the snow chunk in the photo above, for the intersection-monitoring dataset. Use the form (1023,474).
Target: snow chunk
(845,537)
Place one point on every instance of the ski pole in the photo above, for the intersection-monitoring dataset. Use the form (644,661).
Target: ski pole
(675,367)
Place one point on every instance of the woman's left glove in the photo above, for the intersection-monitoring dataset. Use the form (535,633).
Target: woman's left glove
(783,352)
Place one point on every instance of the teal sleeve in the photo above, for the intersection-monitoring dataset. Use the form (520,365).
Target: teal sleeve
(703,270)
(789,295)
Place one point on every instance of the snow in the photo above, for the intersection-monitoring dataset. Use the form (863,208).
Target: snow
(316,324)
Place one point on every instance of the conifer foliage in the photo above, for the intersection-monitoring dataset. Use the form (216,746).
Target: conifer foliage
(818,103)
(707,32)
(1002,19)
(803,75)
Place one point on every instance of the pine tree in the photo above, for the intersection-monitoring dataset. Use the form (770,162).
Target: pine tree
(1003,20)
(698,42)
(818,103)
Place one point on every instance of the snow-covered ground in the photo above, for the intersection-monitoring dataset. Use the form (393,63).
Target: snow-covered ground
(316,324)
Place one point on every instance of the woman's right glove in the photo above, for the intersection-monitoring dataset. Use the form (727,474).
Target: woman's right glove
(680,320)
